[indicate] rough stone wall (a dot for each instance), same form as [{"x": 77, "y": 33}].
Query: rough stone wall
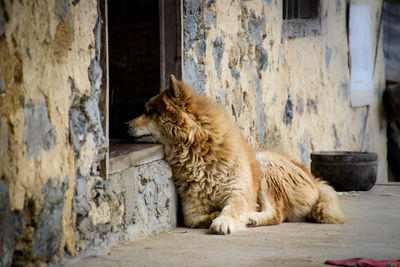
[
  {"x": 130, "y": 204},
  {"x": 50, "y": 125},
  {"x": 287, "y": 94}
]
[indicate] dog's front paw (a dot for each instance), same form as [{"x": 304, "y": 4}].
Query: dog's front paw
[
  {"x": 222, "y": 226},
  {"x": 252, "y": 220}
]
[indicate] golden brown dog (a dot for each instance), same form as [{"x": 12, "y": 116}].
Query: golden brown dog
[{"x": 224, "y": 184}]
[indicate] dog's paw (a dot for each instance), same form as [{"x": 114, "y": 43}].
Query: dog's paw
[
  {"x": 222, "y": 226},
  {"x": 252, "y": 220}
]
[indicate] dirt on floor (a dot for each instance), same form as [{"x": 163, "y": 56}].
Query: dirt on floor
[{"x": 373, "y": 232}]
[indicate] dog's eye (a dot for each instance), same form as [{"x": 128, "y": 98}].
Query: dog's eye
[{"x": 151, "y": 111}]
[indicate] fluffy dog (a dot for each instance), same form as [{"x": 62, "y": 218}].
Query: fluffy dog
[{"x": 225, "y": 184}]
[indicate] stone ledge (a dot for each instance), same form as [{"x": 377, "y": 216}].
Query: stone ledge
[{"x": 126, "y": 155}]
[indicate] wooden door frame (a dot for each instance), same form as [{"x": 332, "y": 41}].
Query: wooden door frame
[
  {"x": 104, "y": 95},
  {"x": 171, "y": 39}
]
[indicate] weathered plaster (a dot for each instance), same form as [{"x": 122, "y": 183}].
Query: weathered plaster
[
  {"x": 45, "y": 47},
  {"x": 290, "y": 94}
]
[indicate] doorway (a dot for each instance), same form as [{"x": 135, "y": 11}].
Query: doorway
[
  {"x": 144, "y": 48},
  {"x": 143, "y": 45}
]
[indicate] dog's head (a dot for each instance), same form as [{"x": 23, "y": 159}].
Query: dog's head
[{"x": 166, "y": 115}]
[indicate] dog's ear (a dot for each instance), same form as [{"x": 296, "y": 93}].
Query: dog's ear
[{"x": 174, "y": 87}]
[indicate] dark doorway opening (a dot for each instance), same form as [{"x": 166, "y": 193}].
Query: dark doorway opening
[
  {"x": 134, "y": 60},
  {"x": 144, "y": 46}
]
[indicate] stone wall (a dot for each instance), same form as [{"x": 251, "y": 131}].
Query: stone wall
[
  {"x": 50, "y": 124},
  {"x": 130, "y": 204},
  {"x": 291, "y": 94},
  {"x": 53, "y": 201}
]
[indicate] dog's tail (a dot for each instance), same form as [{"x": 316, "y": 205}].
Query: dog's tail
[{"x": 327, "y": 209}]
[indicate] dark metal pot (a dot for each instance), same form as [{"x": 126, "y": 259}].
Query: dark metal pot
[{"x": 345, "y": 170}]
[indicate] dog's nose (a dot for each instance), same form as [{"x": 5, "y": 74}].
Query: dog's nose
[{"x": 131, "y": 131}]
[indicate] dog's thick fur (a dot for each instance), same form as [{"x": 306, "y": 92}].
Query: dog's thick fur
[{"x": 224, "y": 184}]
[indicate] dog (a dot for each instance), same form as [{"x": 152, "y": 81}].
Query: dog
[{"x": 224, "y": 184}]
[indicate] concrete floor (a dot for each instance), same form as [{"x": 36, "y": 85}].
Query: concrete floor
[{"x": 373, "y": 232}]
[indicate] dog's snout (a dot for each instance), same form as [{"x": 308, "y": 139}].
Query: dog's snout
[{"x": 138, "y": 126}]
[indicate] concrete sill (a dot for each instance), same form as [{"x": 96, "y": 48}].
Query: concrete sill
[{"x": 124, "y": 155}]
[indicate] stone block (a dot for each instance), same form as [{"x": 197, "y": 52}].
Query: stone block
[
  {"x": 48, "y": 233},
  {"x": 101, "y": 214},
  {"x": 132, "y": 203},
  {"x": 2, "y": 84},
  {"x": 149, "y": 197},
  {"x": 10, "y": 226},
  {"x": 194, "y": 75},
  {"x": 39, "y": 134},
  {"x": 218, "y": 52}
]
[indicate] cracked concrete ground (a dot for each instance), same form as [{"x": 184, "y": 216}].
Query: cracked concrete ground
[{"x": 373, "y": 232}]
